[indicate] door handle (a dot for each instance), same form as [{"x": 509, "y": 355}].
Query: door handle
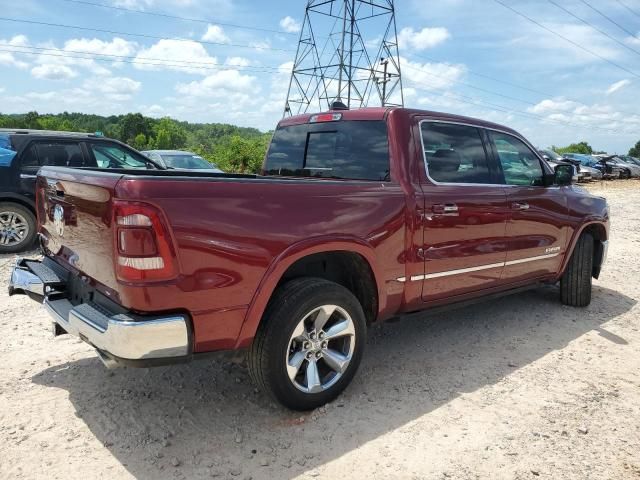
[
  {"x": 519, "y": 206},
  {"x": 445, "y": 209}
]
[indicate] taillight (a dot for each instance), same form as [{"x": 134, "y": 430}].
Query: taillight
[{"x": 143, "y": 246}]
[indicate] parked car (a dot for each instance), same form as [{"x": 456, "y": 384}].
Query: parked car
[
  {"x": 585, "y": 174},
  {"x": 589, "y": 165},
  {"x": 180, "y": 160},
  {"x": 609, "y": 170},
  {"x": 631, "y": 160},
  {"x": 24, "y": 152},
  {"x": 350, "y": 224},
  {"x": 631, "y": 169}
]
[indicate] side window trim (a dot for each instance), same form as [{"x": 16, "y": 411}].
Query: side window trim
[{"x": 487, "y": 150}]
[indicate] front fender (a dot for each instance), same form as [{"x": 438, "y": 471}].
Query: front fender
[{"x": 292, "y": 254}]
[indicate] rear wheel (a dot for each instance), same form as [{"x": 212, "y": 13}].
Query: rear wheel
[
  {"x": 17, "y": 227},
  {"x": 309, "y": 344},
  {"x": 576, "y": 283}
]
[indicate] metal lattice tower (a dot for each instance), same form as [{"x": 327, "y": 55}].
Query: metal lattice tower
[{"x": 348, "y": 52}]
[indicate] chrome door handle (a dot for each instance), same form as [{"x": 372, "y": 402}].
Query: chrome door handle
[
  {"x": 520, "y": 206},
  {"x": 27, "y": 176}
]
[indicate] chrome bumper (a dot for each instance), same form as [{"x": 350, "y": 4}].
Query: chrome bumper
[
  {"x": 605, "y": 252},
  {"x": 121, "y": 339}
]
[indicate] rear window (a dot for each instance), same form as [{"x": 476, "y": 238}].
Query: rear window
[{"x": 354, "y": 150}]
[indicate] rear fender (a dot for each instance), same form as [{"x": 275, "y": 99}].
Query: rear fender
[{"x": 282, "y": 263}]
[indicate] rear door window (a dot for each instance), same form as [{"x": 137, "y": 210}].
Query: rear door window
[
  {"x": 357, "y": 150},
  {"x": 56, "y": 154},
  {"x": 455, "y": 154}
]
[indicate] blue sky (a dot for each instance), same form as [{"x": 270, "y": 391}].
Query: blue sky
[{"x": 471, "y": 57}]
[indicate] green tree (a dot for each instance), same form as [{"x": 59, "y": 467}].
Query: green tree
[
  {"x": 635, "y": 151},
  {"x": 170, "y": 135},
  {"x": 242, "y": 155},
  {"x": 140, "y": 142},
  {"x": 582, "y": 147}
]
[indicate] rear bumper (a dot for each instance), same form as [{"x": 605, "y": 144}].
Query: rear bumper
[{"x": 120, "y": 338}]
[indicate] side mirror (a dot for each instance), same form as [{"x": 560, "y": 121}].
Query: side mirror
[
  {"x": 566, "y": 174},
  {"x": 546, "y": 157}
]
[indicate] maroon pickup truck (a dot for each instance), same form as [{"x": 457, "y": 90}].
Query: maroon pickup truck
[{"x": 358, "y": 216}]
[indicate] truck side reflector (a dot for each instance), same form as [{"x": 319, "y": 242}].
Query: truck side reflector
[{"x": 325, "y": 117}]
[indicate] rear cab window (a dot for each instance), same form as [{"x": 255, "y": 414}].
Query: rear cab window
[{"x": 349, "y": 150}]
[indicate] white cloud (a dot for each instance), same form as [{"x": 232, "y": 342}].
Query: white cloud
[
  {"x": 113, "y": 88},
  {"x": 431, "y": 75},
  {"x": 289, "y": 24},
  {"x": 618, "y": 86},
  {"x": 423, "y": 39},
  {"x": 53, "y": 72},
  {"x": 9, "y": 58},
  {"x": 633, "y": 40},
  {"x": 219, "y": 84},
  {"x": 193, "y": 57},
  {"x": 552, "y": 106},
  {"x": 135, "y": 4},
  {"x": 237, "y": 62},
  {"x": 215, "y": 34}
]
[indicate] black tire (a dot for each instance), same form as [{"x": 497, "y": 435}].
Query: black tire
[
  {"x": 29, "y": 221},
  {"x": 576, "y": 282},
  {"x": 268, "y": 353}
]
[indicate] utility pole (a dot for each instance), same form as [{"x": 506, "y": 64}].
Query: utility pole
[{"x": 334, "y": 62}]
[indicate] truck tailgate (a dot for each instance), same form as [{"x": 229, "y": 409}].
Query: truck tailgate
[{"x": 75, "y": 217}]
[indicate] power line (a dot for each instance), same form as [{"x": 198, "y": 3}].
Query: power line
[
  {"x": 491, "y": 92},
  {"x": 595, "y": 28},
  {"x": 141, "y": 35},
  {"x": 474, "y": 101},
  {"x": 591, "y": 52},
  {"x": 633, "y": 35},
  {"x": 176, "y": 17},
  {"x": 520, "y": 112},
  {"x": 136, "y": 60},
  {"x": 628, "y": 8}
]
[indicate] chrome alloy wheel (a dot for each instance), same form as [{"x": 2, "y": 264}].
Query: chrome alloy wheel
[
  {"x": 13, "y": 229},
  {"x": 320, "y": 349}
]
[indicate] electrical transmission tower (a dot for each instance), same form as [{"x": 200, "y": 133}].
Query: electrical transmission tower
[{"x": 348, "y": 52}]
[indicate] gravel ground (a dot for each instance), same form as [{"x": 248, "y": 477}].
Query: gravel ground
[{"x": 516, "y": 388}]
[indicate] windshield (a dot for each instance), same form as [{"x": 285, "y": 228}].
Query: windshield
[
  {"x": 552, "y": 155},
  {"x": 356, "y": 150},
  {"x": 187, "y": 161}
]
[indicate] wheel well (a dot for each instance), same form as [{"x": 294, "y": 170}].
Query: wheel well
[
  {"x": 348, "y": 269},
  {"x": 599, "y": 235},
  {"x": 19, "y": 201}
]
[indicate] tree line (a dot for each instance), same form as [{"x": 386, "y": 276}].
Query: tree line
[
  {"x": 232, "y": 148},
  {"x": 585, "y": 148}
]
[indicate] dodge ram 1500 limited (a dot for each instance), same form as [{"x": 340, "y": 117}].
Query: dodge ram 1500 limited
[{"x": 358, "y": 216}]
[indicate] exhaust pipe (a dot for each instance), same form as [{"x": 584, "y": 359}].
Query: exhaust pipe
[{"x": 107, "y": 361}]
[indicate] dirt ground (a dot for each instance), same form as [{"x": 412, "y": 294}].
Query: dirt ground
[{"x": 516, "y": 388}]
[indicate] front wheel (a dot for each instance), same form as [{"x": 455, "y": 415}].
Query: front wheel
[
  {"x": 576, "y": 282},
  {"x": 309, "y": 344}
]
